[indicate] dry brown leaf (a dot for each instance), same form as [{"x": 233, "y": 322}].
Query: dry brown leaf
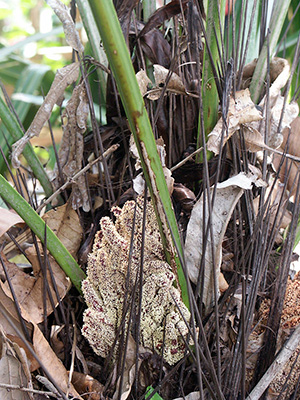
[
  {"x": 63, "y": 78},
  {"x": 161, "y": 74},
  {"x": 71, "y": 34},
  {"x": 8, "y": 218},
  {"x": 253, "y": 139},
  {"x": 10, "y": 308},
  {"x": 241, "y": 110},
  {"x": 29, "y": 289},
  {"x": 64, "y": 222},
  {"x": 11, "y": 372},
  {"x": 51, "y": 362},
  {"x": 84, "y": 383}
]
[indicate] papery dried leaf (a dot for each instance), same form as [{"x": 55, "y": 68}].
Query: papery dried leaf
[
  {"x": 8, "y": 304},
  {"x": 63, "y": 78},
  {"x": 280, "y": 72},
  {"x": 71, "y": 149},
  {"x": 163, "y": 13},
  {"x": 288, "y": 171},
  {"x": 143, "y": 81},
  {"x": 241, "y": 110},
  {"x": 291, "y": 112},
  {"x": 8, "y": 219},
  {"x": 65, "y": 224},
  {"x": 161, "y": 74},
  {"x": 71, "y": 34},
  {"x": 225, "y": 201},
  {"x": 53, "y": 365},
  {"x": 248, "y": 72},
  {"x": 253, "y": 139}
]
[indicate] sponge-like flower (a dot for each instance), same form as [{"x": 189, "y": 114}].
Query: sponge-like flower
[{"x": 113, "y": 269}]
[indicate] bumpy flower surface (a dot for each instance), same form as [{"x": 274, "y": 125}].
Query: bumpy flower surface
[{"x": 113, "y": 269}]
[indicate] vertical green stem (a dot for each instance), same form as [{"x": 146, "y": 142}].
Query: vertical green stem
[
  {"x": 209, "y": 88},
  {"x": 121, "y": 66}
]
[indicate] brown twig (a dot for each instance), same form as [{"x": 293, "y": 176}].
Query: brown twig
[{"x": 77, "y": 175}]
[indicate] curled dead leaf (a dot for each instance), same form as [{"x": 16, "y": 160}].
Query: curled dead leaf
[
  {"x": 12, "y": 371},
  {"x": 84, "y": 383},
  {"x": 227, "y": 195},
  {"x": 143, "y": 81},
  {"x": 71, "y": 34},
  {"x": 290, "y": 169},
  {"x": 8, "y": 218},
  {"x": 63, "y": 78},
  {"x": 241, "y": 110},
  {"x": 162, "y": 76}
]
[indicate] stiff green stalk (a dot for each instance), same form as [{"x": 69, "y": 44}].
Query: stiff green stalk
[
  {"x": 11, "y": 124},
  {"x": 91, "y": 29},
  {"x": 37, "y": 225},
  {"x": 209, "y": 89},
  {"x": 277, "y": 19},
  {"x": 121, "y": 66}
]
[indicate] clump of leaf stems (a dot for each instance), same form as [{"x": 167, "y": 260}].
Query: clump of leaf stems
[{"x": 208, "y": 50}]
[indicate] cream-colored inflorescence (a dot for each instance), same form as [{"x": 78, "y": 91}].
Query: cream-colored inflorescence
[{"x": 111, "y": 276}]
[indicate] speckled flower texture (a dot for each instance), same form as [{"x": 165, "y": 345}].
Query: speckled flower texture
[{"x": 111, "y": 277}]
